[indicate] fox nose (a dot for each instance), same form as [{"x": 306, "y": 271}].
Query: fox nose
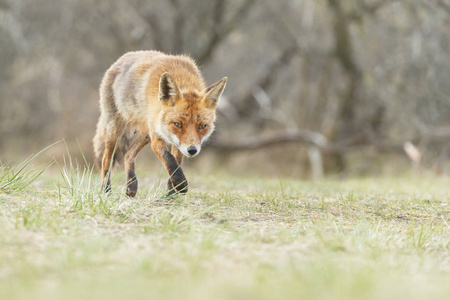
[{"x": 192, "y": 150}]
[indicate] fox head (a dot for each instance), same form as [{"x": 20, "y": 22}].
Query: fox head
[{"x": 187, "y": 117}]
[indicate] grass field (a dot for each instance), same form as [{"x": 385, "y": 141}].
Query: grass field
[{"x": 228, "y": 238}]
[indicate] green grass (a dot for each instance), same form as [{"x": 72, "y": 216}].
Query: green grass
[
  {"x": 14, "y": 179},
  {"x": 228, "y": 238}
]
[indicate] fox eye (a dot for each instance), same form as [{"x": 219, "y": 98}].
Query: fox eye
[
  {"x": 177, "y": 124},
  {"x": 202, "y": 126}
]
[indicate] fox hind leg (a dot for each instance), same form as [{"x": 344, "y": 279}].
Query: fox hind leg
[
  {"x": 129, "y": 161},
  {"x": 107, "y": 164},
  {"x": 112, "y": 150}
]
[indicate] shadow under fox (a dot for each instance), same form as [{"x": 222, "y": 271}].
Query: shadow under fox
[{"x": 151, "y": 97}]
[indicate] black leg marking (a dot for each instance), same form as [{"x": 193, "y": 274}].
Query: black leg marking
[
  {"x": 170, "y": 189},
  {"x": 177, "y": 179},
  {"x": 132, "y": 183},
  {"x": 107, "y": 184}
]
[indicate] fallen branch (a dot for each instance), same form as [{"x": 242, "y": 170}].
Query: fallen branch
[{"x": 303, "y": 137}]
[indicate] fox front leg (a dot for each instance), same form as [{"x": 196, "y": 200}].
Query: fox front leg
[
  {"x": 179, "y": 158},
  {"x": 177, "y": 181}
]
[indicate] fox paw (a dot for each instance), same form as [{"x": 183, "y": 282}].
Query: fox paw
[
  {"x": 132, "y": 188},
  {"x": 106, "y": 188},
  {"x": 130, "y": 192},
  {"x": 177, "y": 187}
]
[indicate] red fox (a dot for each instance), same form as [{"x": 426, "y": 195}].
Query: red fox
[{"x": 151, "y": 97}]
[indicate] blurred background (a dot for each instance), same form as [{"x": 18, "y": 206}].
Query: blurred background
[{"x": 316, "y": 87}]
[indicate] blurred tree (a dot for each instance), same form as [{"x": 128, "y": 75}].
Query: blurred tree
[{"x": 334, "y": 76}]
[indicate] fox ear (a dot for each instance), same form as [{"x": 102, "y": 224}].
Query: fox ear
[
  {"x": 213, "y": 93},
  {"x": 168, "y": 89}
]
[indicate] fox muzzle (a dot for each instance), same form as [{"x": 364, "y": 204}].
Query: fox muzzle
[{"x": 190, "y": 151}]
